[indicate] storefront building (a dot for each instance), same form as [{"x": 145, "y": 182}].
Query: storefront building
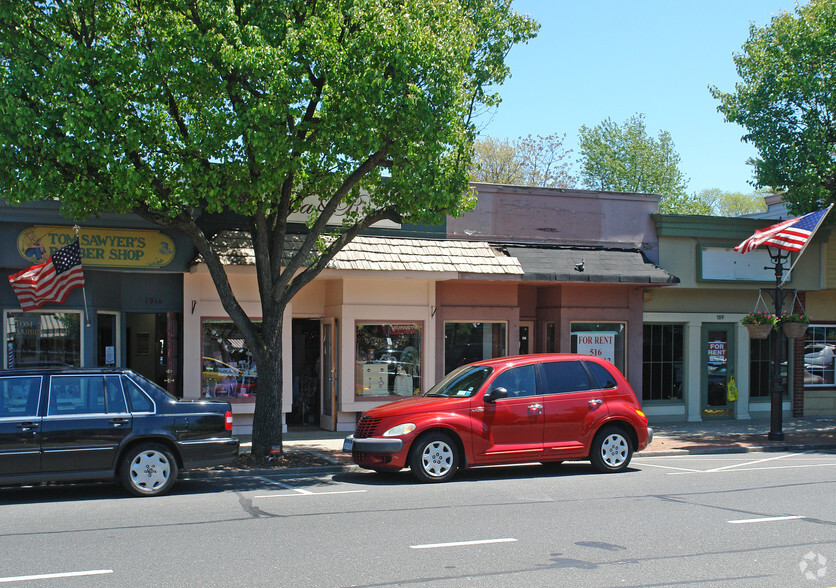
[
  {"x": 527, "y": 271},
  {"x": 130, "y": 311},
  {"x": 695, "y": 348}
]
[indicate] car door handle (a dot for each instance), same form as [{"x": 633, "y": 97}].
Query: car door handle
[
  {"x": 27, "y": 427},
  {"x": 538, "y": 408},
  {"x": 119, "y": 422},
  {"x": 595, "y": 403}
]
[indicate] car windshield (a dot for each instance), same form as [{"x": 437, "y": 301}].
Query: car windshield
[{"x": 461, "y": 382}]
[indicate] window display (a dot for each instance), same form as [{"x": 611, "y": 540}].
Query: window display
[
  {"x": 229, "y": 370},
  {"x": 388, "y": 359},
  {"x": 43, "y": 339}
]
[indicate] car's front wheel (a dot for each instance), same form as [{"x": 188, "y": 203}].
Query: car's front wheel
[
  {"x": 611, "y": 450},
  {"x": 148, "y": 470},
  {"x": 435, "y": 458}
]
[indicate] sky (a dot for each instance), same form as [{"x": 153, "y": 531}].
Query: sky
[{"x": 598, "y": 59}]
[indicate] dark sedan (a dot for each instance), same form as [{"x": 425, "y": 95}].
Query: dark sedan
[{"x": 105, "y": 424}]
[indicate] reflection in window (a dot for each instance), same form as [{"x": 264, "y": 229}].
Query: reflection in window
[
  {"x": 228, "y": 367},
  {"x": 662, "y": 362},
  {"x": 388, "y": 359},
  {"x": 468, "y": 342},
  {"x": 38, "y": 339},
  {"x": 819, "y": 354}
]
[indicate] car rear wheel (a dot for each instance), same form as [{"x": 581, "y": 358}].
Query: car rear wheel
[
  {"x": 435, "y": 458},
  {"x": 611, "y": 450},
  {"x": 148, "y": 470}
]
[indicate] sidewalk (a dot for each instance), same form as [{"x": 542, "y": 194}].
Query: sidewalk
[{"x": 722, "y": 436}]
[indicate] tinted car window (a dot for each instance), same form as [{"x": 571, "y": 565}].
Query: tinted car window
[
  {"x": 601, "y": 376},
  {"x": 519, "y": 381},
  {"x": 137, "y": 399},
  {"x": 565, "y": 376},
  {"x": 76, "y": 395},
  {"x": 19, "y": 396},
  {"x": 461, "y": 382},
  {"x": 115, "y": 396}
]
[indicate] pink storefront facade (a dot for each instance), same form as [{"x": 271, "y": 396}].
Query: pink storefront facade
[{"x": 527, "y": 271}]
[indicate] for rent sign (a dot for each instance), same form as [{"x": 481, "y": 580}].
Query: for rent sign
[{"x": 598, "y": 343}]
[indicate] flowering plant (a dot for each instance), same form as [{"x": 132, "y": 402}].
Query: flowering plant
[
  {"x": 760, "y": 318},
  {"x": 790, "y": 317}
]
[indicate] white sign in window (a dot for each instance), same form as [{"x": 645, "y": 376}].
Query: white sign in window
[{"x": 597, "y": 343}]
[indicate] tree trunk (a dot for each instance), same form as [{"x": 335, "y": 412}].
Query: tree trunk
[{"x": 267, "y": 420}]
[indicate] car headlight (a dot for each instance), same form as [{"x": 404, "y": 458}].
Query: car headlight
[{"x": 400, "y": 430}]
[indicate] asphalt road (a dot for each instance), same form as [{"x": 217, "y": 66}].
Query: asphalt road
[{"x": 756, "y": 519}]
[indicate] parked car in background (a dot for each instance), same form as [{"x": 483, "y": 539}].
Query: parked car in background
[
  {"x": 530, "y": 408},
  {"x": 105, "y": 424}
]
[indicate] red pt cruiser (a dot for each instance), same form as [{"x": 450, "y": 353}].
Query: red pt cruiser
[{"x": 529, "y": 408}]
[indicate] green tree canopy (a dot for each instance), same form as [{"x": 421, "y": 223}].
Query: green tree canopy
[
  {"x": 177, "y": 109},
  {"x": 624, "y": 158},
  {"x": 732, "y": 203},
  {"x": 786, "y": 101},
  {"x": 526, "y": 161}
]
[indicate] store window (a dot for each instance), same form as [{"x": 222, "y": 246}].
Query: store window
[
  {"x": 468, "y": 342},
  {"x": 228, "y": 368},
  {"x": 604, "y": 340},
  {"x": 819, "y": 353},
  {"x": 38, "y": 339},
  {"x": 662, "y": 362},
  {"x": 388, "y": 359}
]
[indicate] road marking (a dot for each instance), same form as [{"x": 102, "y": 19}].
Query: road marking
[
  {"x": 462, "y": 543},
  {"x": 52, "y": 576},
  {"x": 301, "y": 492},
  {"x": 766, "y": 520},
  {"x": 755, "y": 462},
  {"x": 786, "y": 467},
  {"x": 653, "y": 465},
  {"x": 310, "y": 494}
]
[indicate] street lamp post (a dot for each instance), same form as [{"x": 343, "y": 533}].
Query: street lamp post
[{"x": 776, "y": 432}]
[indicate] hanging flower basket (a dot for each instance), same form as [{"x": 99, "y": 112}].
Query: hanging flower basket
[
  {"x": 794, "y": 330},
  {"x": 759, "y": 331}
]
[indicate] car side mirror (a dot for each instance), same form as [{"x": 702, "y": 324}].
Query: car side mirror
[{"x": 496, "y": 394}]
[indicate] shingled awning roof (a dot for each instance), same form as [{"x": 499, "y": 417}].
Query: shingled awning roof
[
  {"x": 389, "y": 254},
  {"x": 562, "y": 264}
]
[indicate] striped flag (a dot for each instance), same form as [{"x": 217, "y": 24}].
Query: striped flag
[
  {"x": 50, "y": 281},
  {"x": 792, "y": 234}
]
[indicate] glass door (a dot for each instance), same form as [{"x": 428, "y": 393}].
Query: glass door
[
  {"x": 526, "y": 337},
  {"x": 328, "y": 418},
  {"x": 717, "y": 369}
]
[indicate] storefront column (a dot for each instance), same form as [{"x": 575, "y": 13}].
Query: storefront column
[
  {"x": 743, "y": 347},
  {"x": 694, "y": 371}
]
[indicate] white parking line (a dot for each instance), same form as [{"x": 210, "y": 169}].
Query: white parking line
[
  {"x": 461, "y": 543},
  {"x": 766, "y": 520},
  {"x": 301, "y": 492},
  {"x": 52, "y": 576},
  {"x": 755, "y": 462}
]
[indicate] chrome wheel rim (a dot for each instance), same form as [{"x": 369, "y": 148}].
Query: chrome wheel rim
[
  {"x": 150, "y": 470},
  {"x": 614, "y": 450},
  {"x": 437, "y": 459}
]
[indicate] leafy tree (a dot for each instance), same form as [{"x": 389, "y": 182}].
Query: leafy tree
[
  {"x": 624, "y": 158},
  {"x": 732, "y": 203},
  {"x": 183, "y": 110},
  {"x": 527, "y": 161},
  {"x": 786, "y": 101}
]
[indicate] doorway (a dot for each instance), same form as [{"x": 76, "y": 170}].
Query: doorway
[
  {"x": 526, "y": 337},
  {"x": 717, "y": 368},
  {"x": 153, "y": 348},
  {"x": 305, "y": 407}
]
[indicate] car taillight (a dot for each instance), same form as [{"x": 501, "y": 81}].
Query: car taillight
[{"x": 228, "y": 420}]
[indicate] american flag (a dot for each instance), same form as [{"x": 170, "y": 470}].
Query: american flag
[
  {"x": 50, "y": 281},
  {"x": 792, "y": 234}
]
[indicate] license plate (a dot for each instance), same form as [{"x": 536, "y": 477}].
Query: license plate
[{"x": 348, "y": 444}]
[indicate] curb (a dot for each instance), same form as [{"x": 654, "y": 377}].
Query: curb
[{"x": 338, "y": 469}]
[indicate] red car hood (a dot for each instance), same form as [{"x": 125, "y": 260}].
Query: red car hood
[{"x": 418, "y": 404}]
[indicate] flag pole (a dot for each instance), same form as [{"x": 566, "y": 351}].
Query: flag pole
[
  {"x": 83, "y": 290},
  {"x": 797, "y": 257}
]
